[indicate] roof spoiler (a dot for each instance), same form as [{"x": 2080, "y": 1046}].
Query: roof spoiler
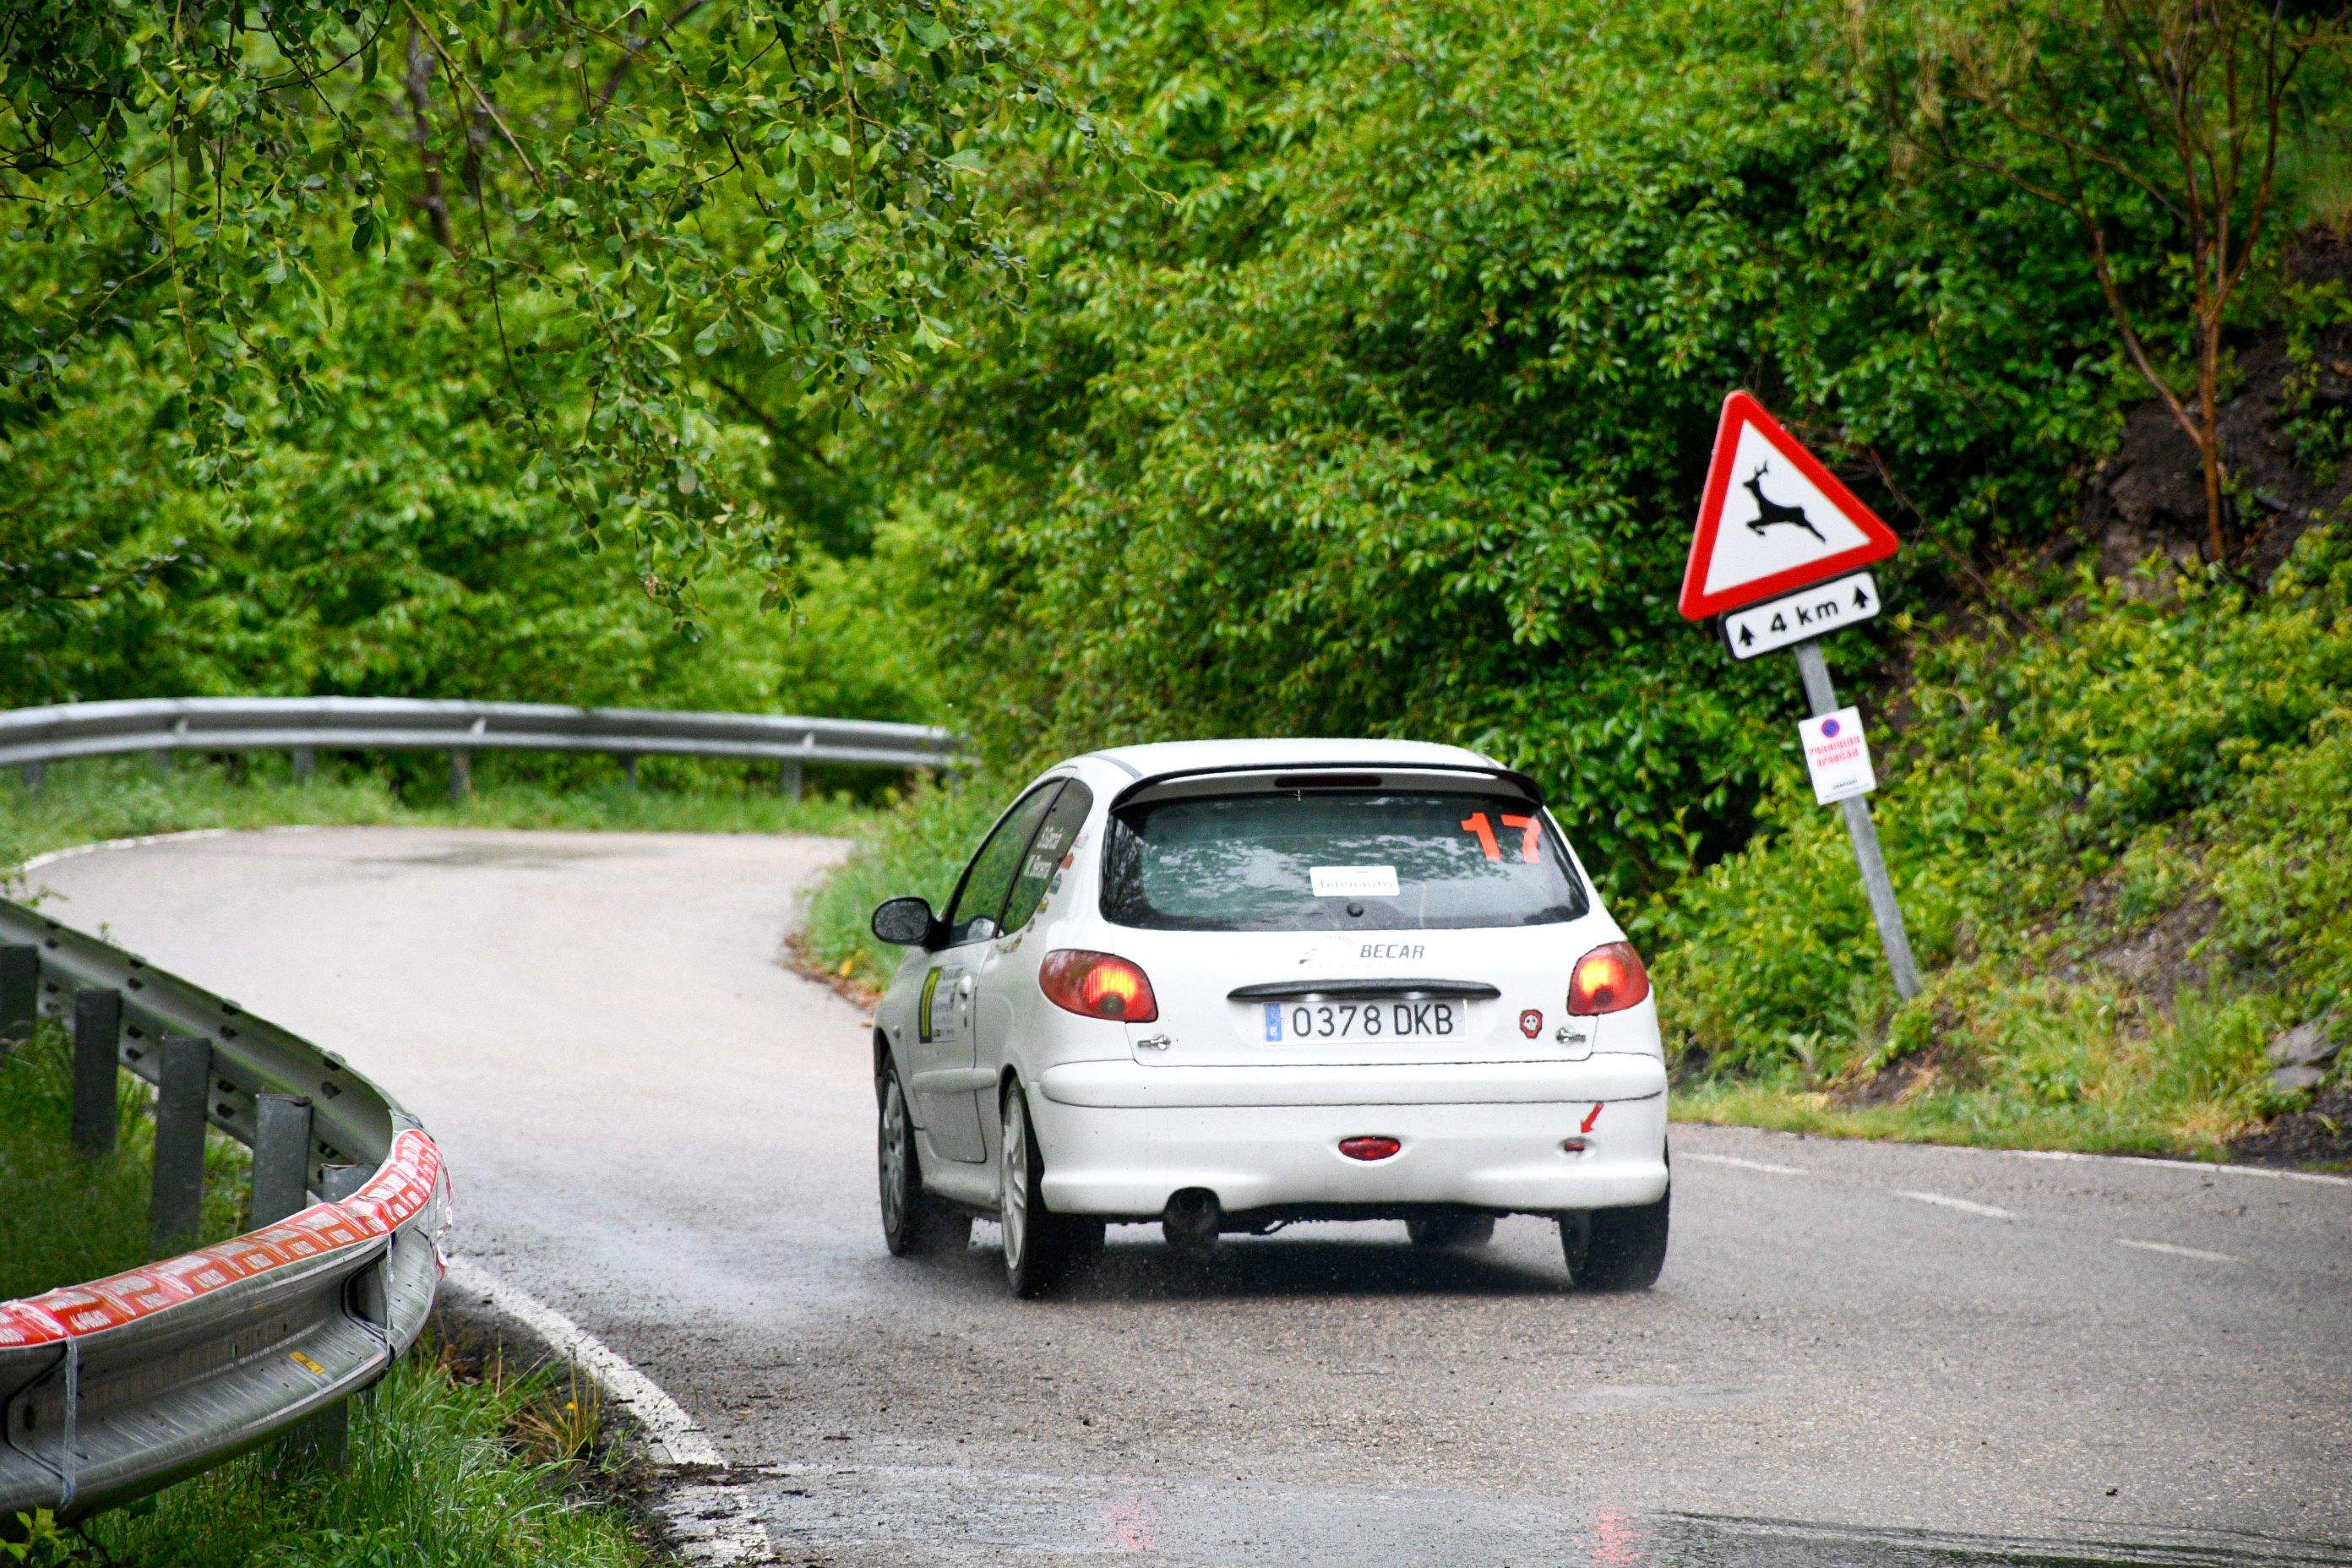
[{"x": 1511, "y": 777}]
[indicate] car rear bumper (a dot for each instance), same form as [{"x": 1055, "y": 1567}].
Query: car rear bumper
[{"x": 1120, "y": 1137}]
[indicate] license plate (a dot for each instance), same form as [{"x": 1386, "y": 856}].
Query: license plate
[{"x": 1372, "y": 1019}]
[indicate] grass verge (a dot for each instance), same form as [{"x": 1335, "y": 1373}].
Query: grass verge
[
  {"x": 64, "y": 1219},
  {"x": 454, "y": 1464}
]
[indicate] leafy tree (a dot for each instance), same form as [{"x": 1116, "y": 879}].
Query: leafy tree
[
  {"x": 641, "y": 225},
  {"x": 2120, "y": 114},
  {"x": 1380, "y": 401}
]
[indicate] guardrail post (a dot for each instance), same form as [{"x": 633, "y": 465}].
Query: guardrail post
[
  {"x": 34, "y": 773},
  {"x": 788, "y": 778},
  {"x": 96, "y": 1058},
  {"x": 305, "y": 763},
  {"x": 281, "y": 1157},
  {"x": 461, "y": 776},
  {"x": 20, "y": 993},
  {"x": 177, "y": 1213},
  {"x": 322, "y": 1441},
  {"x": 629, "y": 771},
  {"x": 281, "y": 1187}
]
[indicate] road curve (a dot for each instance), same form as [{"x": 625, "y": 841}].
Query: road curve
[{"x": 1859, "y": 1353}]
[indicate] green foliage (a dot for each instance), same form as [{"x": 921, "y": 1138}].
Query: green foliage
[
  {"x": 63, "y": 1219},
  {"x": 35, "y": 1539},
  {"x": 624, "y": 221},
  {"x": 2117, "y": 839},
  {"x": 919, "y": 847},
  {"x": 1387, "y": 417},
  {"x": 386, "y": 538}
]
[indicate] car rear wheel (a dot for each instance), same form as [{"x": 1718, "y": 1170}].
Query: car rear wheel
[
  {"x": 1616, "y": 1249},
  {"x": 914, "y": 1223},
  {"x": 1450, "y": 1231},
  {"x": 1040, "y": 1245}
]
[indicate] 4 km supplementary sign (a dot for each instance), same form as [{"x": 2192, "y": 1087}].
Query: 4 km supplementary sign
[
  {"x": 1807, "y": 613},
  {"x": 1771, "y": 519}
]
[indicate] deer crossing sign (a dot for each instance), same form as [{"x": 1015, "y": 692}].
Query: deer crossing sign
[
  {"x": 1778, "y": 555},
  {"x": 1772, "y": 519}
]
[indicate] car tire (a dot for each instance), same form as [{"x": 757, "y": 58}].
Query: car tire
[
  {"x": 1451, "y": 1232},
  {"x": 914, "y": 1223},
  {"x": 1617, "y": 1249},
  {"x": 1040, "y": 1245}
]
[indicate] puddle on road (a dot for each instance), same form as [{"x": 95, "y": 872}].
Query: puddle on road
[
  {"x": 894, "y": 1514},
  {"x": 1698, "y": 1541},
  {"x": 509, "y": 855}
]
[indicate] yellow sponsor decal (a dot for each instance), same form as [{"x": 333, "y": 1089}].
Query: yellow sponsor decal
[
  {"x": 923, "y": 1009},
  {"x": 305, "y": 1363}
]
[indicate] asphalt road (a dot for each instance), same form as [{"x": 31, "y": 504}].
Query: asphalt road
[{"x": 1859, "y": 1353}]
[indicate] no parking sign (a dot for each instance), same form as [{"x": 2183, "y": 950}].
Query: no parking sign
[{"x": 1837, "y": 755}]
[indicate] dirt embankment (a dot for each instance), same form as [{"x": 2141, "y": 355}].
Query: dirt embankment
[{"x": 2149, "y": 499}]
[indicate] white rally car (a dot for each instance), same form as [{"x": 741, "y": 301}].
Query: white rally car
[{"x": 1225, "y": 986}]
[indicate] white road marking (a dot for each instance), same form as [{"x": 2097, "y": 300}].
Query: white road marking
[
  {"x": 2202, "y": 1167},
  {"x": 2194, "y": 1167},
  {"x": 679, "y": 1436},
  {"x": 1963, "y": 1205},
  {"x": 1746, "y": 1165},
  {"x": 2167, "y": 1247},
  {"x": 73, "y": 852},
  {"x": 673, "y": 1434}
]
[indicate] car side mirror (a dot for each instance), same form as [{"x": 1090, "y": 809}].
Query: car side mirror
[{"x": 904, "y": 922}]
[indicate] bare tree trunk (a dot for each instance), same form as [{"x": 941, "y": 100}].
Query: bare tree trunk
[
  {"x": 2209, "y": 438},
  {"x": 418, "y": 81}
]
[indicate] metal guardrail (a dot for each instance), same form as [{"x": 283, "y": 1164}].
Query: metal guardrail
[
  {"x": 115, "y": 1388},
  {"x": 307, "y": 725}
]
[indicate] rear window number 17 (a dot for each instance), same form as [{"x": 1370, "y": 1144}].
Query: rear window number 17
[{"x": 1530, "y": 831}]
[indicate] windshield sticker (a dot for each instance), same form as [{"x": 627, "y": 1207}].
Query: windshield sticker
[{"x": 1354, "y": 882}]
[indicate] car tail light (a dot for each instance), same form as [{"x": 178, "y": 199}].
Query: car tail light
[
  {"x": 1098, "y": 985},
  {"x": 1369, "y": 1148},
  {"x": 1609, "y": 979}
]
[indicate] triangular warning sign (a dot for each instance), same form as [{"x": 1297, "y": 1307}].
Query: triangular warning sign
[{"x": 1772, "y": 519}]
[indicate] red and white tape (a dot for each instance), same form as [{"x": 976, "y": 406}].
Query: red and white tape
[{"x": 396, "y": 1193}]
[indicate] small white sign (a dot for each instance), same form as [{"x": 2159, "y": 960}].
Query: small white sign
[
  {"x": 1354, "y": 882},
  {"x": 1837, "y": 755},
  {"x": 1799, "y": 616}
]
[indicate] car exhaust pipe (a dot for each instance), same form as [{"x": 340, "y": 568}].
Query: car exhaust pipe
[{"x": 1193, "y": 1219}]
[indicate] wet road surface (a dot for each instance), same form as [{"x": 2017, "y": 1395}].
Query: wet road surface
[{"x": 1858, "y": 1354}]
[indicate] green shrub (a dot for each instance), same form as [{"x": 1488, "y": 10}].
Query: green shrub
[
  {"x": 1392, "y": 419},
  {"x": 919, "y": 847},
  {"x": 2119, "y": 841}
]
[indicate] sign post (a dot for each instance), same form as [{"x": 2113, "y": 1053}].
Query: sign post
[{"x": 1779, "y": 560}]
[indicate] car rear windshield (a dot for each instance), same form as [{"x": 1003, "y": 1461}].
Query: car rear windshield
[{"x": 1335, "y": 860}]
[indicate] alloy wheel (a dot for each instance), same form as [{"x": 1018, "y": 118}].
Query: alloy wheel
[
  {"x": 1013, "y": 1208},
  {"x": 892, "y": 1155}
]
